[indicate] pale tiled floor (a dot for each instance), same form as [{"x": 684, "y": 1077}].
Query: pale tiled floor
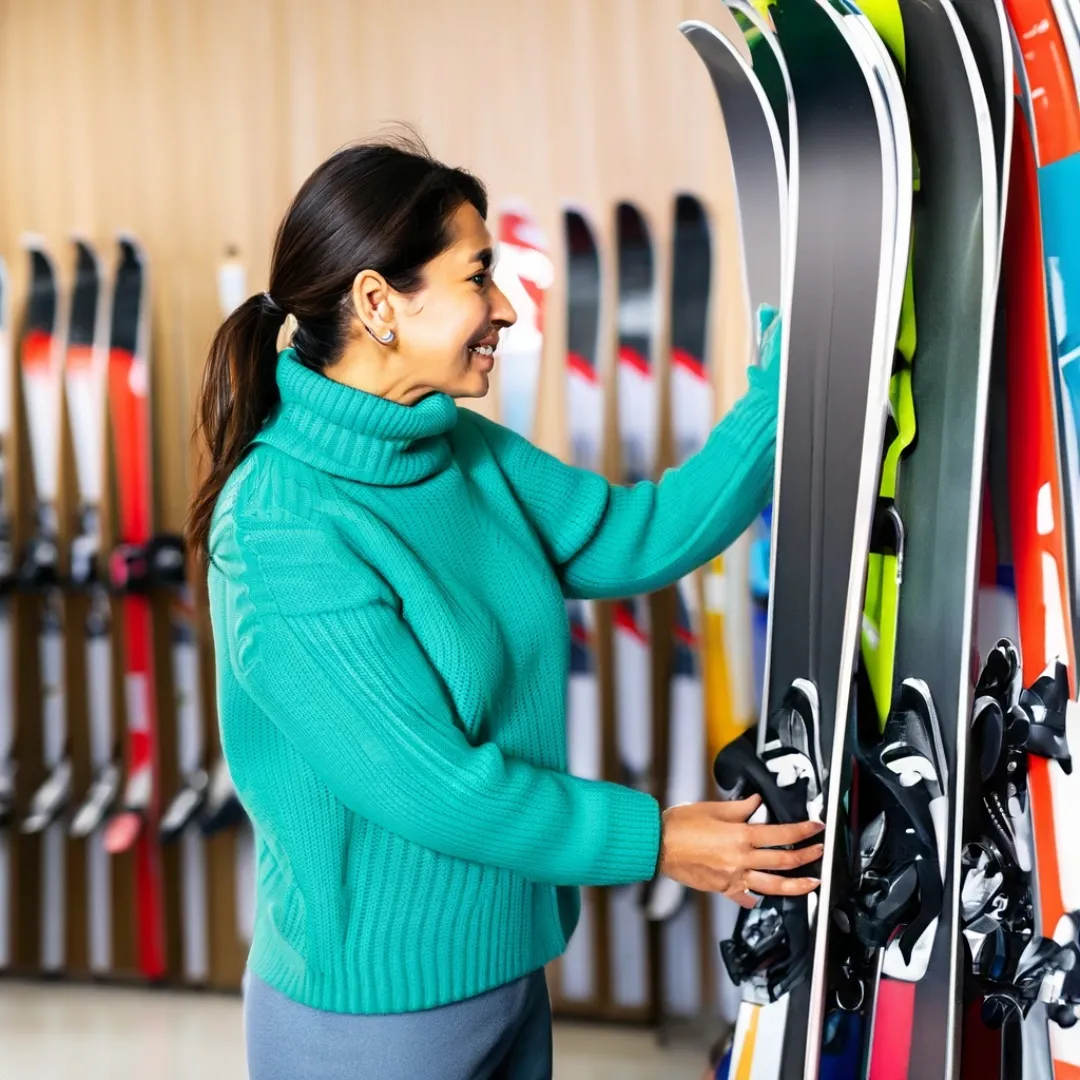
[{"x": 57, "y": 1032}]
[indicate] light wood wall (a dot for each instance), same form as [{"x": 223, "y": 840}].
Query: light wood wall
[{"x": 192, "y": 122}]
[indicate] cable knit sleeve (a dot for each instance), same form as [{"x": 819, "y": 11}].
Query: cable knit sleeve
[
  {"x": 317, "y": 640},
  {"x": 608, "y": 541}
]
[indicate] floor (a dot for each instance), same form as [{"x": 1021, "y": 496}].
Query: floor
[{"x": 57, "y": 1032}]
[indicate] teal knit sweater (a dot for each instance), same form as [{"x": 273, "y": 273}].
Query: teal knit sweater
[{"x": 387, "y": 590}]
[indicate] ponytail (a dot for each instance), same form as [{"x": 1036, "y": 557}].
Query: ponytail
[{"x": 239, "y": 390}]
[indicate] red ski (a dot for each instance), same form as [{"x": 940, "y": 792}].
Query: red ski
[{"x": 134, "y": 826}]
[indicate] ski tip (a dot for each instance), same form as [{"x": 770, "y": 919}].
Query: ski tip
[
  {"x": 688, "y": 26},
  {"x": 34, "y": 242},
  {"x": 129, "y": 245},
  {"x": 84, "y": 245}
]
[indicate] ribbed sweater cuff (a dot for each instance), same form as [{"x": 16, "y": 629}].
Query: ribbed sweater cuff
[{"x": 633, "y": 847}]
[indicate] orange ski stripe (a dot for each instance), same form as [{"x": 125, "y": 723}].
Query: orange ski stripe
[{"x": 1053, "y": 91}]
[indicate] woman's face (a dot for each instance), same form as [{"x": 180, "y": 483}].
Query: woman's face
[{"x": 448, "y": 331}]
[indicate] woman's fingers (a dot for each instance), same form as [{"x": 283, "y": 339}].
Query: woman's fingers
[
  {"x": 784, "y": 859},
  {"x": 765, "y": 836},
  {"x": 743, "y": 898},
  {"x": 736, "y": 809},
  {"x": 775, "y": 885}
]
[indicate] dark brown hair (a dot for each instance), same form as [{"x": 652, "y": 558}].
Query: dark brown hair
[{"x": 382, "y": 206}]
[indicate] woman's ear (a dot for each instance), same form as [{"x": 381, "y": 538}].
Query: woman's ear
[{"x": 372, "y": 302}]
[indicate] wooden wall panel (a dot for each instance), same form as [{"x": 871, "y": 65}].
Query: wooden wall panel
[{"x": 193, "y": 123}]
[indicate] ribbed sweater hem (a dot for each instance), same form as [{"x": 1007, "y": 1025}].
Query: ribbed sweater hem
[{"x": 428, "y": 986}]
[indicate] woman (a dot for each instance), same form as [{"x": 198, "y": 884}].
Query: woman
[{"x": 387, "y": 580}]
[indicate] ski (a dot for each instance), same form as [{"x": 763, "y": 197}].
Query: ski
[
  {"x": 579, "y": 974},
  {"x": 1049, "y": 55},
  {"x": 823, "y": 505},
  {"x": 764, "y": 166},
  {"x": 524, "y": 272},
  {"x": 133, "y": 825},
  {"x": 181, "y": 822},
  {"x": 41, "y": 361},
  {"x": 691, "y": 418},
  {"x": 638, "y": 422},
  {"x": 7, "y": 673},
  {"x": 905, "y": 871},
  {"x": 230, "y": 836},
  {"x": 1014, "y": 880},
  {"x": 85, "y": 378}
]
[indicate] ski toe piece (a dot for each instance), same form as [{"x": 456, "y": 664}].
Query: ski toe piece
[
  {"x": 98, "y": 804},
  {"x": 222, "y": 809},
  {"x": 49, "y": 801},
  {"x": 185, "y": 807}
]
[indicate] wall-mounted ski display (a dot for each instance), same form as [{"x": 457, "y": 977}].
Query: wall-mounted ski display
[
  {"x": 134, "y": 826},
  {"x": 86, "y": 379},
  {"x": 580, "y": 975},
  {"x": 41, "y": 360},
  {"x": 638, "y": 422}
]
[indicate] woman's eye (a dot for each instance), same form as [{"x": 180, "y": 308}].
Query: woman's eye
[{"x": 481, "y": 279}]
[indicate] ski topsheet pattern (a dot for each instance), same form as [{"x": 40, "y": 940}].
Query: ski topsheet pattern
[
  {"x": 638, "y": 423},
  {"x": 42, "y": 366},
  {"x": 579, "y": 967}
]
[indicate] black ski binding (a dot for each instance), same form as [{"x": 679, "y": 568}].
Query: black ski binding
[
  {"x": 1015, "y": 966},
  {"x": 7, "y": 793},
  {"x": 771, "y": 945},
  {"x": 185, "y": 807},
  {"x": 50, "y": 800},
  {"x": 222, "y": 808},
  {"x": 100, "y": 802},
  {"x": 898, "y": 889},
  {"x": 141, "y": 568},
  {"x": 86, "y": 549},
  {"x": 39, "y": 570}
]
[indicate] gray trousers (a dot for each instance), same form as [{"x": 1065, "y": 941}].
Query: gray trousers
[{"x": 504, "y": 1034}]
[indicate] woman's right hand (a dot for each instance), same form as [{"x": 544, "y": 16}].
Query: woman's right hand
[{"x": 710, "y": 847}]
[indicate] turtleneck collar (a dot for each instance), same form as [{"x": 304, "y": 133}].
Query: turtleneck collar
[{"x": 354, "y": 434}]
